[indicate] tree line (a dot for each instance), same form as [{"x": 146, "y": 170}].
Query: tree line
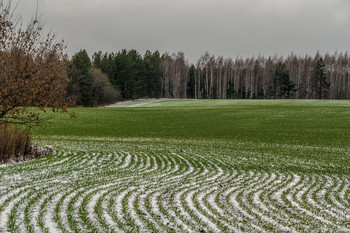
[{"x": 108, "y": 77}]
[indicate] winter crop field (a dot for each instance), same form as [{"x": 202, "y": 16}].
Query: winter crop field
[{"x": 186, "y": 166}]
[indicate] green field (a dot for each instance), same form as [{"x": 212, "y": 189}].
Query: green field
[{"x": 186, "y": 165}]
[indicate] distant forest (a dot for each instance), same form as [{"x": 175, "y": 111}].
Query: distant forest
[{"x": 109, "y": 77}]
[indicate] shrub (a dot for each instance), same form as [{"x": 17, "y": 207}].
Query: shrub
[
  {"x": 104, "y": 92},
  {"x": 15, "y": 144}
]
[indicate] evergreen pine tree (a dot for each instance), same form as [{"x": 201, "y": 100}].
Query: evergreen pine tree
[
  {"x": 321, "y": 82},
  {"x": 81, "y": 79},
  {"x": 97, "y": 59},
  {"x": 152, "y": 63},
  {"x": 283, "y": 87},
  {"x": 191, "y": 82}
]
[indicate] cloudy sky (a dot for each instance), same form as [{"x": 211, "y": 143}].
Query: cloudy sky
[{"x": 229, "y": 28}]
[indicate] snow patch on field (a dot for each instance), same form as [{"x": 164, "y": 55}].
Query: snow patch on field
[{"x": 164, "y": 191}]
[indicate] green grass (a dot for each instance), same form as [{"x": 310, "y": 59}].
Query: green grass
[
  {"x": 302, "y": 131},
  {"x": 110, "y": 163},
  {"x": 301, "y": 122}
]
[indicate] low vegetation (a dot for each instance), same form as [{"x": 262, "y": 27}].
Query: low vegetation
[
  {"x": 187, "y": 165},
  {"x": 15, "y": 144}
]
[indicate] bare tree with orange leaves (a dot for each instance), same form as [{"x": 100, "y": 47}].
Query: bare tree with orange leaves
[{"x": 33, "y": 74}]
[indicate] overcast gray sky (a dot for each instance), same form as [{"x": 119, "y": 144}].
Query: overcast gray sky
[{"x": 223, "y": 27}]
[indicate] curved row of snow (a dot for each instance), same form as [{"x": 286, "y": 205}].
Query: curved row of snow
[{"x": 162, "y": 192}]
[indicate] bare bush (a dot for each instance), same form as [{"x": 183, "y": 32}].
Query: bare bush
[{"x": 104, "y": 92}]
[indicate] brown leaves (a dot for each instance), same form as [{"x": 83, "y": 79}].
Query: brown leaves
[{"x": 32, "y": 71}]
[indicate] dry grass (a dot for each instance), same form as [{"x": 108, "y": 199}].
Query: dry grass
[{"x": 15, "y": 144}]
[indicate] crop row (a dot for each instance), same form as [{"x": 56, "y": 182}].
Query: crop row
[{"x": 161, "y": 191}]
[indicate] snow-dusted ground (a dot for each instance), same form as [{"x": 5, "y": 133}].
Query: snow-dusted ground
[
  {"x": 149, "y": 103},
  {"x": 164, "y": 191},
  {"x": 134, "y": 103}
]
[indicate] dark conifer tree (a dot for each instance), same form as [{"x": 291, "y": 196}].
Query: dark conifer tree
[
  {"x": 230, "y": 90},
  {"x": 320, "y": 80},
  {"x": 152, "y": 63},
  {"x": 108, "y": 67},
  {"x": 191, "y": 82},
  {"x": 97, "y": 59},
  {"x": 283, "y": 87},
  {"x": 81, "y": 79},
  {"x": 130, "y": 75},
  {"x": 122, "y": 70}
]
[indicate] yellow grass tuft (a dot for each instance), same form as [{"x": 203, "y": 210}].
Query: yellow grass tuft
[{"x": 15, "y": 143}]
